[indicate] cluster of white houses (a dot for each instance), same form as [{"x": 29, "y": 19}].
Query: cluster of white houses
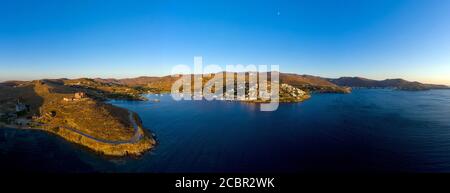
[
  {"x": 294, "y": 92},
  {"x": 248, "y": 93}
]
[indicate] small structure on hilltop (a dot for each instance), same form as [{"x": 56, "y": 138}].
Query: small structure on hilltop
[
  {"x": 77, "y": 96},
  {"x": 80, "y": 95}
]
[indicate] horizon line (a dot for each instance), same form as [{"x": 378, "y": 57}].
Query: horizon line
[{"x": 159, "y": 76}]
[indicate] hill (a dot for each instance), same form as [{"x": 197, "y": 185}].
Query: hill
[
  {"x": 312, "y": 83},
  {"x": 74, "y": 114},
  {"x": 388, "y": 83}
]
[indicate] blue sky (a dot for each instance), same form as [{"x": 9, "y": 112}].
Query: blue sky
[{"x": 86, "y": 38}]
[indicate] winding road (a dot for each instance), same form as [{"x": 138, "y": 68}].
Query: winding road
[{"x": 136, "y": 136}]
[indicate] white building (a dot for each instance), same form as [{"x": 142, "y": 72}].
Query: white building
[{"x": 20, "y": 107}]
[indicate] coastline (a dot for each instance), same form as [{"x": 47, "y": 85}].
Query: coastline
[{"x": 142, "y": 142}]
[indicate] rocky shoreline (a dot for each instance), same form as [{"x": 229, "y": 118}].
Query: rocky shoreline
[{"x": 116, "y": 149}]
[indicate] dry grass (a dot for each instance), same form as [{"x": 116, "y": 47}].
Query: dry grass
[{"x": 89, "y": 116}]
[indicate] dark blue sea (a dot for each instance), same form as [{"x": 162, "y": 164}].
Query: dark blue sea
[{"x": 375, "y": 130}]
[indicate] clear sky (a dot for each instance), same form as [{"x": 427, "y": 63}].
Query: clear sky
[{"x": 87, "y": 38}]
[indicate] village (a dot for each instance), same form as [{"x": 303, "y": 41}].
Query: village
[
  {"x": 294, "y": 92},
  {"x": 251, "y": 93}
]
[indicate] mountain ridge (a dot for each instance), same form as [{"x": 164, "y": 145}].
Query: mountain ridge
[
  {"x": 163, "y": 83},
  {"x": 397, "y": 83},
  {"x": 303, "y": 81}
]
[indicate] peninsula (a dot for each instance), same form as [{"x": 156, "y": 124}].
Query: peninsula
[{"x": 76, "y": 112}]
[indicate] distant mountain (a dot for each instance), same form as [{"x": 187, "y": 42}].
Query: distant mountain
[{"x": 388, "y": 83}]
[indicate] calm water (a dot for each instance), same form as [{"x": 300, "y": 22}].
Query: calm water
[{"x": 368, "y": 130}]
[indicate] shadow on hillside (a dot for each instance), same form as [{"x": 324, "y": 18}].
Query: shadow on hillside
[{"x": 12, "y": 95}]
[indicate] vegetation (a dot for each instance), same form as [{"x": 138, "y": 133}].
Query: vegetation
[{"x": 106, "y": 90}]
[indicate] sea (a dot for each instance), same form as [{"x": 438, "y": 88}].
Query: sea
[{"x": 369, "y": 130}]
